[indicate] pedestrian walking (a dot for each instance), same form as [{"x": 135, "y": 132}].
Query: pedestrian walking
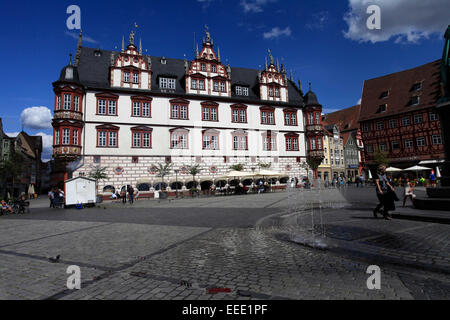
[
  {"x": 409, "y": 192},
  {"x": 361, "y": 180},
  {"x": 385, "y": 198},
  {"x": 131, "y": 194},
  {"x": 123, "y": 194},
  {"x": 433, "y": 179}
]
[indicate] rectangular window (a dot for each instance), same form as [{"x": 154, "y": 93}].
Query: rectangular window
[
  {"x": 271, "y": 118},
  {"x": 213, "y": 114},
  {"x": 392, "y": 123},
  {"x": 194, "y": 84},
  {"x": 264, "y": 117},
  {"x": 418, "y": 118},
  {"x": 270, "y": 92},
  {"x": 146, "y": 140},
  {"x": 383, "y": 147},
  {"x": 57, "y": 137},
  {"x": 112, "y": 107},
  {"x": 222, "y": 86},
  {"x": 417, "y": 86},
  {"x": 415, "y": 100},
  {"x": 170, "y": 83},
  {"x": 406, "y": 121},
  {"x": 183, "y": 112},
  {"x": 175, "y": 112},
  {"x": 179, "y": 141},
  {"x": 67, "y": 100},
  {"x": 380, "y": 126},
  {"x": 434, "y": 116},
  {"x": 136, "y": 140},
  {"x": 239, "y": 91},
  {"x": 146, "y": 109},
  {"x": 235, "y": 143},
  {"x": 366, "y": 128},
  {"x": 213, "y": 68},
  {"x": 102, "y": 138},
  {"x": 408, "y": 144},
  {"x": 135, "y": 78},
  {"x": 277, "y": 92},
  {"x": 113, "y": 139},
  {"x": 395, "y": 145},
  {"x": 76, "y": 103},
  {"x": 216, "y": 86},
  {"x": 437, "y": 139},
  {"x": 235, "y": 115},
  {"x": 136, "y": 109},
  {"x": 421, "y": 142},
  {"x": 58, "y": 102},
  {"x": 102, "y": 107},
  {"x": 205, "y": 114},
  {"x": 201, "y": 84},
  {"x": 245, "y": 91},
  {"x": 287, "y": 119},
  {"x": 126, "y": 77},
  {"x": 75, "y": 137},
  {"x": 203, "y": 67},
  {"x": 66, "y": 136}
]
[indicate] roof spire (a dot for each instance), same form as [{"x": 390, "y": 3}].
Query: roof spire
[
  {"x": 208, "y": 35},
  {"x": 218, "y": 54},
  {"x": 300, "y": 85},
  {"x": 123, "y": 43},
  {"x": 140, "y": 46},
  {"x": 278, "y": 65},
  {"x": 196, "y": 53},
  {"x": 271, "y": 57},
  {"x": 310, "y": 86},
  {"x": 70, "y": 62},
  {"x": 292, "y": 77},
  {"x": 266, "y": 63},
  {"x": 78, "y": 53}
]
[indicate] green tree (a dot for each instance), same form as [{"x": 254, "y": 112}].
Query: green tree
[
  {"x": 265, "y": 165},
  {"x": 194, "y": 170},
  {"x": 163, "y": 170},
  {"x": 381, "y": 158},
  {"x": 98, "y": 174},
  {"x": 12, "y": 169},
  {"x": 237, "y": 167}
]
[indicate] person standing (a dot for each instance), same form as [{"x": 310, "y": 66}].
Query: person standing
[
  {"x": 409, "y": 192},
  {"x": 123, "y": 194},
  {"x": 361, "y": 180},
  {"x": 131, "y": 194},
  {"x": 382, "y": 189},
  {"x": 433, "y": 179},
  {"x": 51, "y": 197}
]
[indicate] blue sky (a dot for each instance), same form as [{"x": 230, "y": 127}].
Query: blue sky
[{"x": 313, "y": 38}]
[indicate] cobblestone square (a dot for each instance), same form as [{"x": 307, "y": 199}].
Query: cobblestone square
[{"x": 185, "y": 249}]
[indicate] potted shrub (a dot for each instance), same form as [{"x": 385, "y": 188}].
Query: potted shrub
[
  {"x": 163, "y": 170},
  {"x": 98, "y": 173}
]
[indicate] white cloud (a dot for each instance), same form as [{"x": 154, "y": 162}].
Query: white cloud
[
  {"x": 12, "y": 134},
  {"x": 277, "y": 32},
  {"x": 47, "y": 146},
  {"x": 85, "y": 37},
  {"x": 255, "y": 6},
  {"x": 402, "y": 20},
  {"x": 36, "y": 118}
]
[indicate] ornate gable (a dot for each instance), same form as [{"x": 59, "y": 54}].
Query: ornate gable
[
  {"x": 131, "y": 69},
  {"x": 273, "y": 82},
  {"x": 207, "y": 75}
]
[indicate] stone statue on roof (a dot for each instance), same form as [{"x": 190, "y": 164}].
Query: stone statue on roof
[
  {"x": 208, "y": 35},
  {"x": 271, "y": 57},
  {"x": 132, "y": 34}
]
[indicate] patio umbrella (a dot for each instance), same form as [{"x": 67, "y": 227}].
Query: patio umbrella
[
  {"x": 30, "y": 189},
  {"x": 370, "y": 175},
  {"x": 393, "y": 169},
  {"x": 417, "y": 169},
  {"x": 438, "y": 172}
]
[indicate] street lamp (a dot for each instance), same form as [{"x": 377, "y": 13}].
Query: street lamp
[{"x": 176, "y": 182}]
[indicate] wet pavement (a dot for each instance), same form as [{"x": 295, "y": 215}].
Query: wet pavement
[{"x": 182, "y": 249}]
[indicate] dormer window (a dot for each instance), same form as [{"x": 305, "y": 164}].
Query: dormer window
[
  {"x": 382, "y": 108},
  {"x": 97, "y": 53},
  {"x": 384, "y": 95},
  {"x": 241, "y": 91},
  {"x": 415, "y": 100},
  {"x": 203, "y": 67},
  {"x": 417, "y": 86},
  {"x": 167, "y": 83},
  {"x": 163, "y": 60},
  {"x": 274, "y": 91},
  {"x": 213, "y": 68}
]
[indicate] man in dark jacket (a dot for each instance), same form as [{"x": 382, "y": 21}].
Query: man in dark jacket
[{"x": 131, "y": 194}]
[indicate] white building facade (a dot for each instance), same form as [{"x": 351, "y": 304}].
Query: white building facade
[{"x": 129, "y": 112}]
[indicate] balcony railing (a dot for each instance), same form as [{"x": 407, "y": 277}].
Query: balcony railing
[
  {"x": 68, "y": 114},
  {"x": 68, "y": 151}
]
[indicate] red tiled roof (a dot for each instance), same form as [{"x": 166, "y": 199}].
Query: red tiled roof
[
  {"x": 345, "y": 120},
  {"x": 400, "y": 88}
]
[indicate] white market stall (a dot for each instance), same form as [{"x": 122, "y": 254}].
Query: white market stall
[{"x": 80, "y": 190}]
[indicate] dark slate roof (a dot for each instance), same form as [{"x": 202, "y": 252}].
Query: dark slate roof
[
  {"x": 311, "y": 99},
  {"x": 399, "y": 85},
  {"x": 94, "y": 73}
]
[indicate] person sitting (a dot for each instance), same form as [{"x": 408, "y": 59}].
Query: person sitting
[{"x": 6, "y": 209}]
